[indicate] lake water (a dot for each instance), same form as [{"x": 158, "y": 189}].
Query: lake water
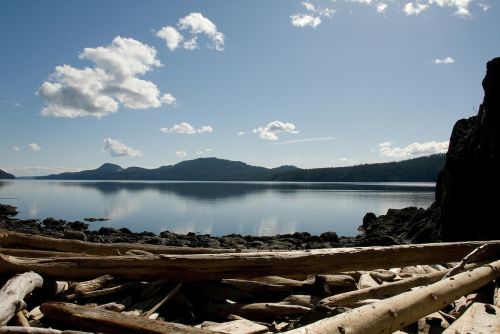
[{"x": 217, "y": 208}]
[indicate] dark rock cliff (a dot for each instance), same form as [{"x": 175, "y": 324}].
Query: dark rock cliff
[
  {"x": 466, "y": 199},
  {"x": 5, "y": 175}
]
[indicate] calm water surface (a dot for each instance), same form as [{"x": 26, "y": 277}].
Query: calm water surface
[{"x": 217, "y": 208}]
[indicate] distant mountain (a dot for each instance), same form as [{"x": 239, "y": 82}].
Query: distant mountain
[
  {"x": 5, "y": 175},
  {"x": 422, "y": 169},
  {"x": 213, "y": 169}
]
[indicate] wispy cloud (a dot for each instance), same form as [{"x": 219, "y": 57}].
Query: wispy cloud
[
  {"x": 181, "y": 154},
  {"x": 34, "y": 147},
  {"x": 313, "y": 16},
  {"x": 187, "y": 129},
  {"x": 445, "y": 61},
  {"x": 387, "y": 150},
  {"x": 414, "y": 8},
  {"x": 118, "y": 149},
  {"x": 304, "y": 140}
]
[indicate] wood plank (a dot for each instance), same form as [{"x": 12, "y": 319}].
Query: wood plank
[{"x": 244, "y": 265}]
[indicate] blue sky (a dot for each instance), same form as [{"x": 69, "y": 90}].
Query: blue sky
[{"x": 313, "y": 84}]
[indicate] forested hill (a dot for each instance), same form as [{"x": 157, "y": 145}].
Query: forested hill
[
  {"x": 5, "y": 175},
  {"x": 423, "y": 169}
]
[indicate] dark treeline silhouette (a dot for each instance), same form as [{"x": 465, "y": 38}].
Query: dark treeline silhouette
[
  {"x": 5, "y": 175},
  {"x": 423, "y": 169}
]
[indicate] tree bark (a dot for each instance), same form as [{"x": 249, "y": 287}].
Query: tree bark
[
  {"x": 13, "y": 292},
  {"x": 244, "y": 265},
  {"x": 111, "y": 322},
  {"x": 392, "y": 314}
]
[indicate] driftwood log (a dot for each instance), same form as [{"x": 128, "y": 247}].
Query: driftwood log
[
  {"x": 14, "y": 239},
  {"x": 479, "y": 318},
  {"x": 35, "y": 330},
  {"x": 238, "y": 265},
  {"x": 392, "y": 314},
  {"x": 100, "y": 320},
  {"x": 13, "y": 292}
]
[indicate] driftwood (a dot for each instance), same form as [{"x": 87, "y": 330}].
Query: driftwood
[
  {"x": 14, "y": 239},
  {"x": 240, "y": 326},
  {"x": 92, "y": 285},
  {"x": 13, "y": 293},
  {"x": 392, "y": 314},
  {"x": 479, "y": 318},
  {"x": 255, "y": 311},
  {"x": 104, "y": 292},
  {"x": 496, "y": 293},
  {"x": 469, "y": 257},
  {"x": 36, "y": 253},
  {"x": 239, "y": 265},
  {"x": 382, "y": 291},
  {"x": 34, "y": 330},
  {"x": 20, "y": 319},
  {"x": 163, "y": 301},
  {"x": 112, "y": 322}
]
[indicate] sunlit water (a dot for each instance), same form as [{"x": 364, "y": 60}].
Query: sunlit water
[{"x": 217, "y": 208}]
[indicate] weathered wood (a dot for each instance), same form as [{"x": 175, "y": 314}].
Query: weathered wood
[
  {"x": 255, "y": 311},
  {"x": 35, "y": 253},
  {"x": 238, "y": 326},
  {"x": 111, "y": 322},
  {"x": 16, "y": 239},
  {"x": 104, "y": 292},
  {"x": 20, "y": 319},
  {"x": 220, "y": 292},
  {"x": 35, "y": 330},
  {"x": 392, "y": 314},
  {"x": 381, "y": 291},
  {"x": 243, "y": 265},
  {"x": 469, "y": 257},
  {"x": 496, "y": 293},
  {"x": 170, "y": 294},
  {"x": 13, "y": 292},
  {"x": 92, "y": 285},
  {"x": 301, "y": 300},
  {"x": 479, "y": 318}
]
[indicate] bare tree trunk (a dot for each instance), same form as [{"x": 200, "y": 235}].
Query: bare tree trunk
[
  {"x": 244, "y": 265},
  {"x": 13, "y": 292},
  {"x": 392, "y": 314}
]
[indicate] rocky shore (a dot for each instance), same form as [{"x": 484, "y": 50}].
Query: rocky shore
[{"x": 78, "y": 230}]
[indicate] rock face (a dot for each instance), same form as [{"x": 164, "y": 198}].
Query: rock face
[
  {"x": 466, "y": 188},
  {"x": 465, "y": 206}
]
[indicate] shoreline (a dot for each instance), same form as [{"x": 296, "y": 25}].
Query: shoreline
[{"x": 78, "y": 230}]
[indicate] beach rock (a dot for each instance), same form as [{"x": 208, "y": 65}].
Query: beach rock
[
  {"x": 8, "y": 210},
  {"x": 75, "y": 235},
  {"x": 369, "y": 218},
  {"x": 329, "y": 237},
  {"x": 53, "y": 223},
  {"x": 77, "y": 226},
  {"x": 109, "y": 231}
]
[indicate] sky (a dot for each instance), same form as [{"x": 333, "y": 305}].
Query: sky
[{"x": 270, "y": 83}]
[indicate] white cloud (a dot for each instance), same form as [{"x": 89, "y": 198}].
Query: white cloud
[
  {"x": 414, "y": 8},
  {"x": 34, "y": 147},
  {"x": 71, "y": 92},
  {"x": 412, "y": 150},
  {"x": 271, "y": 130},
  {"x": 187, "y": 129},
  {"x": 181, "y": 154},
  {"x": 15, "y": 148},
  {"x": 381, "y": 7},
  {"x": 241, "y": 133},
  {"x": 309, "y": 6},
  {"x": 171, "y": 36},
  {"x": 461, "y": 6},
  {"x": 305, "y": 20},
  {"x": 445, "y": 61},
  {"x": 118, "y": 149},
  {"x": 366, "y": 2},
  {"x": 198, "y": 24},
  {"x": 484, "y": 7},
  {"x": 168, "y": 99},
  {"x": 191, "y": 44}
]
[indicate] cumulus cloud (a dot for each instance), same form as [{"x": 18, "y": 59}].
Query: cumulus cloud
[
  {"x": 461, "y": 6},
  {"x": 118, "y": 149},
  {"x": 113, "y": 81},
  {"x": 414, "y": 8},
  {"x": 241, "y": 133},
  {"x": 181, "y": 154},
  {"x": 194, "y": 24},
  {"x": 171, "y": 36},
  {"x": 168, "y": 99},
  {"x": 484, "y": 7},
  {"x": 271, "y": 130},
  {"x": 445, "y": 61},
  {"x": 413, "y": 150},
  {"x": 187, "y": 129},
  {"x": 33, "y": 147},
  {"x": 15, "y": 148},
  {"x": 312, "y": 18}
]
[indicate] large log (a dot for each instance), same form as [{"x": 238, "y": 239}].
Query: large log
[
  {"x": 479, "y": 318},
  {"x": 16, "y": 239},
  {"x": 13, "y": 292},
  {"x": 255, "y": 311},
  {"x": 392, "y": 314},
  {"x": 244, "y": 265},
  {"x": 98, "y": 320}
]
